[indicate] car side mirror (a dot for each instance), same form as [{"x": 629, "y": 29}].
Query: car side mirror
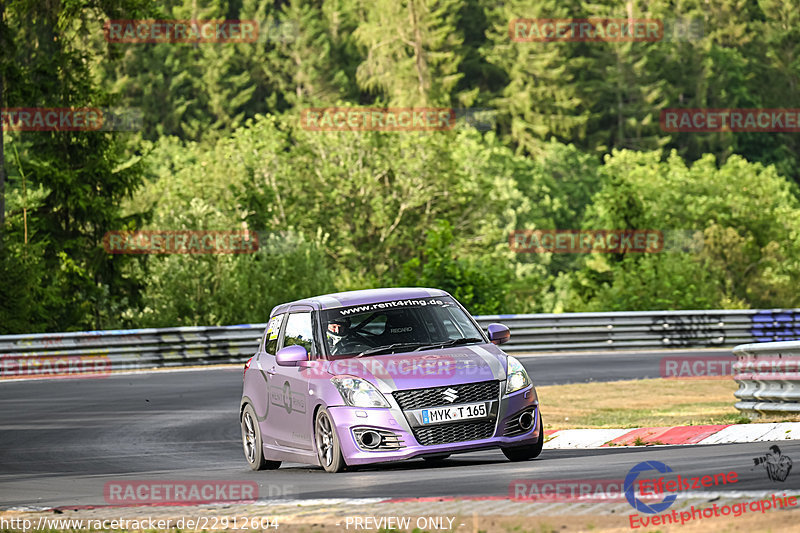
[
  {"x": 292, "y": 355},
  {"x": 498, "y": 333}
]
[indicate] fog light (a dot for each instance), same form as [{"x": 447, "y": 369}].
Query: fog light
[{"x": 371, "y": 439}]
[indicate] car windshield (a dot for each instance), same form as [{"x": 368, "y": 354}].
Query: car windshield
[{"x": 397, "y": 326}]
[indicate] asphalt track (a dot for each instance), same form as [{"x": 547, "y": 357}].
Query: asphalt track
[
  {"x": 61, "y": 440},
  {"x": 559, "y": 369}
]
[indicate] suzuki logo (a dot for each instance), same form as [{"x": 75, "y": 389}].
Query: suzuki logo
[{"x": 450, "y": 395}]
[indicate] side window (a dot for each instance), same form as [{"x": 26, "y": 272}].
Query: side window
[
  {"x": 274, "y": 327},
  {"x": 300, "y": 331}
]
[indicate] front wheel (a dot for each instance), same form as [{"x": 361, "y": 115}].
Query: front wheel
[
  {"x": 251, "y": 440},
  {"x": 525, "y": 453},
  {"x": 329, "y": 451}
]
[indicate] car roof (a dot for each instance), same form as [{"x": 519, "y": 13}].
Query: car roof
[{"x": 362, "y": 297}]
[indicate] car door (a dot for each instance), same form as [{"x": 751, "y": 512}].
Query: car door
[
  {"x": 266, "y": 365},
  {"x": 289, "y": 385}
]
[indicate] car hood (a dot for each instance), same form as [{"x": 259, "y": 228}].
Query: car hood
[{"x": 430, "y": 368}]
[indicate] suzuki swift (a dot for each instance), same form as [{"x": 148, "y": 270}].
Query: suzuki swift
[{"x": 383, "y": 375}]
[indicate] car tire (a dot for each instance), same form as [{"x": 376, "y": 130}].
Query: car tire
[
  {"x": 252, "y": 443},
  {"x": 525, "y": 453},
  {"x": 329, "y": 450}
]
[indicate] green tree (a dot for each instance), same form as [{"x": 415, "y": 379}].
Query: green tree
[
  {"x": 542, "y": 97},
  {"x": 83, "y": 174},
  {"x": 480, "y": 284},
  {"x": 411, "y": 51},
  {"x": 746, "y": 213}
]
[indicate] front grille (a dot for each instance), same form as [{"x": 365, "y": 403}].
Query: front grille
[
  {"x": 434, "y": 396},
  {"x": 445, "y": 433}
]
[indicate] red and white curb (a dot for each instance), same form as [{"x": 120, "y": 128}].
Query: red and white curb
[{"x": 716, "y": 434}]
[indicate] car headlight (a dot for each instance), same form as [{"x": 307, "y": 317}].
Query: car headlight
[
  {"x": 517, "y": 377},
  {"x": 357, "y": 392}
]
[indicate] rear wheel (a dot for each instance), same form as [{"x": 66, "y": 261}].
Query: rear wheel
[
  {"x": 251, "y": 441},
  {"x": 329, "y": 451},
  {"x": 525, "y": 453}
]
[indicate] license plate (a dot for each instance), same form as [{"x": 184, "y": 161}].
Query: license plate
[{"x": 455, "y": 412}]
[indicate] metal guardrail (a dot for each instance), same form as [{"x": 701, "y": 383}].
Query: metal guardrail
[
  {"x": 173, "y": 347},
  {"x": 768, "y": 375},
  {"x": 646, "y": 329},
  {"x": 102, "y": 351}
]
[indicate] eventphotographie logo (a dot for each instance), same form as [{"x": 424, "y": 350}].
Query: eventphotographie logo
[
  {"x": 775, "y": 463},
  {"x": 631, "y": 483}
]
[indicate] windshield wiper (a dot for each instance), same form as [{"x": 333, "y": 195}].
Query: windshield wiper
[
  {"x": 391, "y": 348},
  {"x": 454, "y": 342}
]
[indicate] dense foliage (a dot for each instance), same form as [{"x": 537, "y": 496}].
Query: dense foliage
[{"x": 576, "y": 143}]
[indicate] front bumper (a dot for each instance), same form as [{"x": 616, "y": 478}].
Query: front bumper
[{"x": 347, "y": 419}]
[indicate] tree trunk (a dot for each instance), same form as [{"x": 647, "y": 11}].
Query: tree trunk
[
  {"x": 419, "y": 57},
  {"x": 2, "y": 156}
]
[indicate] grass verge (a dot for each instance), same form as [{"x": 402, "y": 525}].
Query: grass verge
[{"x": 643, "y": 403}]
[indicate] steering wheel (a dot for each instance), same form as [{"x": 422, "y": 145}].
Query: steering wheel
[{"x": 353, "y": 343}]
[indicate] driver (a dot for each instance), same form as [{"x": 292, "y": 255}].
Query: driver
[{"x": 338, "y": 329}]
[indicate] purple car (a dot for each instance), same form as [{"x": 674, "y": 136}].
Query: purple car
[{"x": 383, "y": 375}]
